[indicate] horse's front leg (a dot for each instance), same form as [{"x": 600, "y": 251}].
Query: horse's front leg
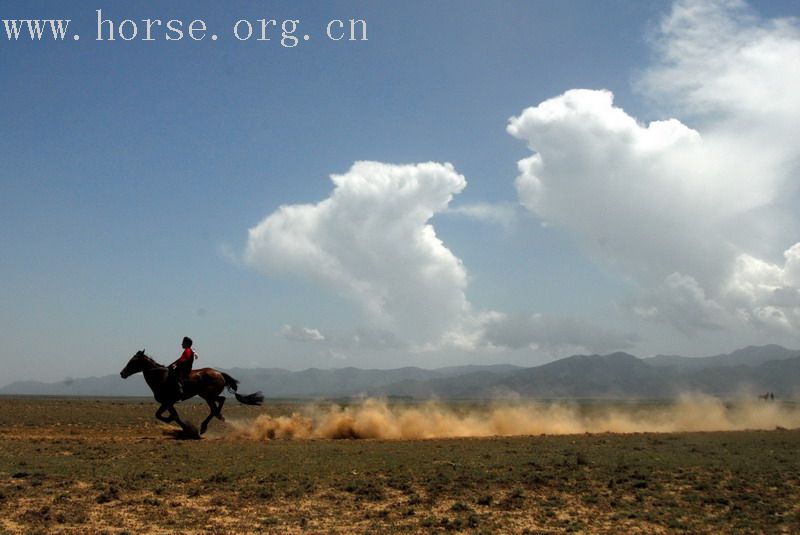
[
  {"x": 173, "y": 414},
  {"x": 189, "y": 429},
  {"x": 162, "y": 409}
]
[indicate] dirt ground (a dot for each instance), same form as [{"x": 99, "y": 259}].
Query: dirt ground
[{"x": 106, "y": 466}]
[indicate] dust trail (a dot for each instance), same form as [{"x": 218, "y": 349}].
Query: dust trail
[{"x": 375, "y": 418}]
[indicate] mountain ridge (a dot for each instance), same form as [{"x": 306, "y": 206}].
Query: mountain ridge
[{"x": 616, "y": 375}]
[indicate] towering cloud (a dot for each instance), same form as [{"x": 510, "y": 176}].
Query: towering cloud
[
  {"x": 696, "y": 215},
  {"x": 372, "y": 242}
]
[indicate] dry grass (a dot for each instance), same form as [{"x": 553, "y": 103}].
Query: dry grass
[{"x": 95, "y": 466}]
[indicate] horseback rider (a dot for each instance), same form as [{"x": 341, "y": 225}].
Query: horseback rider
[{"x": 180, "y": 369}]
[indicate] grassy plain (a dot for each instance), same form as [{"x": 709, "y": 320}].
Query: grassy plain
[{"x": 106, "y": 466}]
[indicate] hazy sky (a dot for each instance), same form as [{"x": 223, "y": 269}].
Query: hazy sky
[{"x": 478, "y": 182}]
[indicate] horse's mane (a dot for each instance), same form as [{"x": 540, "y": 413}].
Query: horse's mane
[{"x": 151, "y": 361}]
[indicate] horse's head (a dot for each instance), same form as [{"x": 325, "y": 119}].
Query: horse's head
[{"x": 135, "y": 365}]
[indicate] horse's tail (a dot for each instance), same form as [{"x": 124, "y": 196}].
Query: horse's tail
[
  {"x": 232, "y": 384},
  {"x": 256, "y": 398}
]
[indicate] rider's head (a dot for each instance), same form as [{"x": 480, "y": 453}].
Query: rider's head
[{"x": 187, "y": 342}]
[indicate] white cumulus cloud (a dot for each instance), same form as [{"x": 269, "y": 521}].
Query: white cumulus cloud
[
  {"x": 301, "y": 334},
  {"x": 767, "y": 294},
  {"x": 372, "y": 242},
  {"x": 694, "y": 210}
]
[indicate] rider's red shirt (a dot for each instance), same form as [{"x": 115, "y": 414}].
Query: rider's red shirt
[{"x": 187, "y": 354}]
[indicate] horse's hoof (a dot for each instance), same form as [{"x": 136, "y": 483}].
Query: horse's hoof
[{"x": 190, "y": 432}]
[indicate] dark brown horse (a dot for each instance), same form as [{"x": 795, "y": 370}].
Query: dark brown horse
[{"x": 207, "y": 383}]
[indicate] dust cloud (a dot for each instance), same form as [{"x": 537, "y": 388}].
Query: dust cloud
[{"x": 378, "y": 419}]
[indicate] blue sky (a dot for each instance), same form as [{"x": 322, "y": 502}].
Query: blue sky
[{"x": 132, "y": 173}]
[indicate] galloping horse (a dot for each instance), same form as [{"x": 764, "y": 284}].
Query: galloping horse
[{"x": 207, "y": 383}]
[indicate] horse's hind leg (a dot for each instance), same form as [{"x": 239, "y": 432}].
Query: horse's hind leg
[
  {"x": 221, "y": 401},
  {"x": 216, "y": 410},
  {"x": 213, "y": 407}
]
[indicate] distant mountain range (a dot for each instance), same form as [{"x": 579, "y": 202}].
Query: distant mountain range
[
  {"x": 620, "y": 375},
  {"x": 769, "y": 368}
]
